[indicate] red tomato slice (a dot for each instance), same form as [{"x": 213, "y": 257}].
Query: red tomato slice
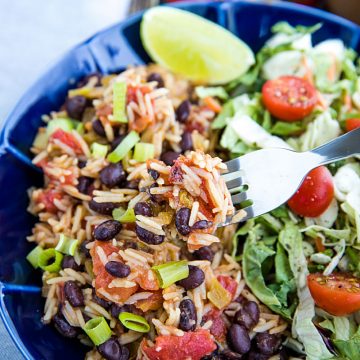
[
  {"x": 315, "y": 193},
  {"x": 338, "y": 294},
  {"x": 228, "y": 283},
  {"x": 103, "y": 278},
  {"x": 67, "y": 139},
  {"x": 192, "y": 345},
  {"x": 47, "y": 198},
  {"x": 289, "y": 98},
  {"x": 218, "y": 327},
  {"x": 352, "y": 124}
]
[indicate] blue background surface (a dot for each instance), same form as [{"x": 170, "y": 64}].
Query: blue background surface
[{"x": 20, "y": 302}]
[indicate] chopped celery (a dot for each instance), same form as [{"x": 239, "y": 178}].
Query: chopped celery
[
  {"x": 124, "y": 147},
  {"x": 134, "y": 322},
  {"x": 218, "y": 295},
  {"x": 33, "y": 256},
  {"x": 143, "y": 152},
  {"x": 171, "y": 272},
  {"x": 123, "y": 216},
  {"x": 98, "y": 151},
  {"x": 119, "y": 102},
  {"x": 60, "y": 123},
  {"x": 50, "y": 260},
  {"x": 67, "y": 245},
  {"x": 98, "y": 330},
  {"x": 80, "y": 128},
  {"x": 41, "y": 140}
]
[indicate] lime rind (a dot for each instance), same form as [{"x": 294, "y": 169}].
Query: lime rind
[{"x": 192, "y": 46}]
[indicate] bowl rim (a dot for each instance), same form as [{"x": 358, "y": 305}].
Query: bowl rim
[{"x": 23, "y": 101}]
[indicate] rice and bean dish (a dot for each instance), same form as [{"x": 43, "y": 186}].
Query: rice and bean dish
[{"x": 134, "y": 262}]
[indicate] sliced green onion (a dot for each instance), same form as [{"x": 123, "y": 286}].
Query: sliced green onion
[
  {"x": 119, "y": 102},
  {"x": 171, "y": 272},
  {"x": 143, "y": 152},
  {"x": 60, "y": 123},
  {"x": 84, "y": 91},
  {"x": 98, "y": 330},
  {"x": 134, "y": 322},
  {"x": 80, "y": 128},
  {"x": 50, "y": 260},
  {"x": 124, "y": 147},
  {"x": 66, "y": 245},
  {"x": 98, "y": 151},
  {"x": 41, "y": 140},
  {"x": 33, "y": 256},
  {"x": 124, "y": 216}
]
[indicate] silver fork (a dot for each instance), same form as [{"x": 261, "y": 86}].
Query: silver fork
[{"x": 265, "y": 179}]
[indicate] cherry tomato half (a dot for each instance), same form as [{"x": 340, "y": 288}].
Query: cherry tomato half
[
  {"x": 314, "y": 194},
  {"x": 289, "y": 98},
  {"x": 352, "y": 124},
  {"x": 338, "y": 294}
]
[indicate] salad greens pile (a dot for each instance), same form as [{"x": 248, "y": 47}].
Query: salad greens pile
[{"x": 278, "y": 250}]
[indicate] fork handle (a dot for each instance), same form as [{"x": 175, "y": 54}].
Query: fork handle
[{"x": 340, "y": 148}]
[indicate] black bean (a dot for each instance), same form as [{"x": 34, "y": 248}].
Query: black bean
[
  {"x": 86, "y": 79},
  {"x": 132, "y": 184},
  {"x": 238, "y": 339},
  {"x": 63, "y": 327},
  {"x": 68, "y": 262},
  {"x": 204, "y": 253},
  {"x": 98, "y": 300},
  {"x": 84, "y": 249},
  {"x": 148, "y": 237},
  {"x": 116, "y": 310},
  {"x": 183, "y": 111},
  {"x": 112, "y": 350},
  {"x": 182, "y": 221},
  {"x": 196, "y": 278},
  {"x": 267, "y": 343},
  {"x": 117, "y": 141},
  {"x": 73, "y": 293},
  {"x": 230, "y": 355},
  {"x": 98, "y": 127},
  {"x": 102, "y": 208},
  {"x": 169, "y": 157},
  {"x": 117, "y": 269},
  {"x": 82, "y": 163},
  {"x": 75, "y": 106},
  {"x": 248, "y": 315},
  {"x": 142, "y": 208},
  {"x": 154, "y": 174},
  {"x": 188, "y": 316},
  {"x": 112, "y": 175},
  {"x": 201, "y": 225},
  {"x": 156, "y": 77},
  {"x": 84, "y": 184},
  {"x": 186, "y": 141},
  {"x": 107, "y": 230}
]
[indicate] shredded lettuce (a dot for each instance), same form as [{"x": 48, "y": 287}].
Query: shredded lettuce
[{"x": 215, "y": 91}]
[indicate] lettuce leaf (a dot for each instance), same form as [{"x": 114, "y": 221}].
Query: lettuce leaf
[
  {"x": 215, "y": 91},
  {"x": 286, "y": 28}
]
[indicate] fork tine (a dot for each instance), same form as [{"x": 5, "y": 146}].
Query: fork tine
[
  {"x": 234, "y": 183},
  {"x": 232, "y": 175},
  {"x": 239, "y": 198},
  {"x": 233, "y": 165}
]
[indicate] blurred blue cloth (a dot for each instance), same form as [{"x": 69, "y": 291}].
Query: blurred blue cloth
[{"x": 33, "y": 35}]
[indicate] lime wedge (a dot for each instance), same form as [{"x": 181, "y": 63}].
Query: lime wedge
[{"x": 190, "y": 45}]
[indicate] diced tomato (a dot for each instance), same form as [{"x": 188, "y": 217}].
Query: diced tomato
[
  {"x": 315, "y": 193},
  {"x": 104, "y": 110},
  {"x": 352, "y": 124},
  {"x": 338, "y": 294},
  {"x": 103, "y": 278},
  {"x": 147, "y": 279},
  {"x": 47, "y": 198},
  {"x": 131, "y": 92},
  {"x": 154, "y": 302},
  {"x": 218, "y": 327},
  {"x": 289, "y": 98},
  {"x": 140, "y": 123},
  {"x": 228, "y": 283},
  {"x": 67, "y": 139},
  {"x": 192, "y": 345}
]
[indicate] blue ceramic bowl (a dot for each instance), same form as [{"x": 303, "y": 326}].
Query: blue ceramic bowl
[{"x": 21, "y": 305}]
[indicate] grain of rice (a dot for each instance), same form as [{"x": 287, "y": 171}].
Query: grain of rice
[
  {"x": 59, "y": 279},
  {"x": 141, "y": 197},
  {"x": 148, "y": 221},
  {"x": 207, "y": 325},
  {"x": 278, "y": 329},
  {"x": 160, "y": 190},
  {"x": 247, "y": 295},
  {"x": 138, "y": 296},
  {"x": 121, "y": 283},
  {"x": 150, "y": 228},
  {"x": 194, "y": 212},
  {"x": 101, "y": 253},
  {"x": 202, "y": 239},
  {"x": 241, "y": 214},
  {"x": 166, "y": 330},
  {"x": 269, "y": 316},
  {"x": 264, "y": 327},
  {"x": 129, "y": 337},
  {"x": 96, "y": 308}
]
